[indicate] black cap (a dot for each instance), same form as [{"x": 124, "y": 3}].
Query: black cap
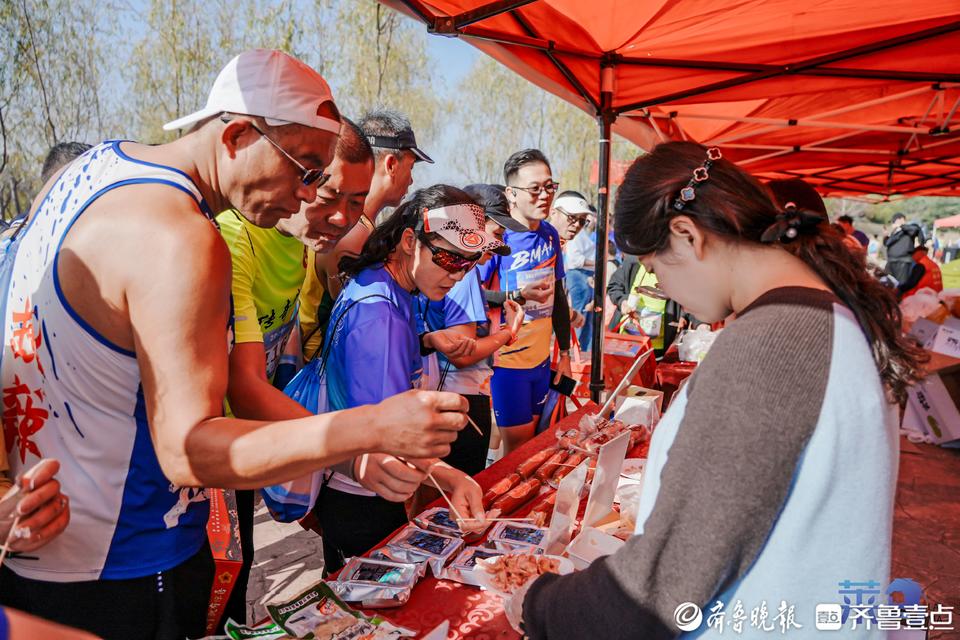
[
  {"x": 403, "y": 140},
  {"x": 495, "y": 205}
]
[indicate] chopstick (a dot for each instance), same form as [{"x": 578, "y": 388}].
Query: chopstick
[
  {"x": 6, "y": 544},
  {"x": 500, "y": 520}
]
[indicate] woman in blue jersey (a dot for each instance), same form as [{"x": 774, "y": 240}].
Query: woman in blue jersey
[
  {"x": 375, "y": 351},
  {"x": 464, "y": 311}
]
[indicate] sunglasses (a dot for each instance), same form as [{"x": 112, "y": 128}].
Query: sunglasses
[
  {"x": 450, "y": 261},
  {"x": 549, "y": 187},
  {"x": 307, "y": 176}
]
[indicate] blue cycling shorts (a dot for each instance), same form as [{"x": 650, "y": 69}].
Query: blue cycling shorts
[{"x": 519, "y": 394}]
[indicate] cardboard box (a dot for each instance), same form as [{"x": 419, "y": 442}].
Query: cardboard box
[{"x": 223, "y": 530}]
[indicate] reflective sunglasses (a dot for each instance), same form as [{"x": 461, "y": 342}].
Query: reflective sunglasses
[
  {"x": 307, "y": 176},
  {"x": 450, "y": 261}
]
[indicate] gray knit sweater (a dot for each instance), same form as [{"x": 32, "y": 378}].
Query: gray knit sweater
[{"x": 770, "y": 480}]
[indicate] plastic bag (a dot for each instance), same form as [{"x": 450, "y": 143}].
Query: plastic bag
[
  {"x": 295, "y": 498},
  {"x": 694, "y": 345},
  {"x": 920, "y": 305}
]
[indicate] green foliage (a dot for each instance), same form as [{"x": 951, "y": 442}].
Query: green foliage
[
  {"x": 88, "y": 71},
  {"x": 919, "y": 209}
]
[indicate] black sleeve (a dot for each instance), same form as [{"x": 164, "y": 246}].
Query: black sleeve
[
  {"x": 494, "y": 298},
  {"x": 618, "y": 289},
  {"x": 916, "y": 273},
  {"x": 561, "y": 316}
]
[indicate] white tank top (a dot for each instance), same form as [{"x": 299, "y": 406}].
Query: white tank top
[{"x": 71, "y": 394}]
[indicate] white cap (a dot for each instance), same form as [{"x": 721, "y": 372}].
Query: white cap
[
  {"x": 270, "y": 84},
  {"x": 572, "y": 205},
  {"x": 463, "y": 226}
]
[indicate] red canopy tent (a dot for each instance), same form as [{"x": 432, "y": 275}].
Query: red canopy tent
[{"x": 857, "y": 98}]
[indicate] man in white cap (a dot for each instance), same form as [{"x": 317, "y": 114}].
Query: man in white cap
[
  {"x": 570, "y": 215},
  {"x": 122, "y": 284}
]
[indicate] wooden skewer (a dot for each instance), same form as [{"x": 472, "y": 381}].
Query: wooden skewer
[
  {"x": 474, "y": 425},
  {"x": 6, "y": 544},
  {"x": 500, "y": 520},
  {"x": 581, "y": 450},
  {"x": 443, "y": 493}
]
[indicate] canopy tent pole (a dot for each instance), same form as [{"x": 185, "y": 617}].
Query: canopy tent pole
[{"x": 605, "y": 119}]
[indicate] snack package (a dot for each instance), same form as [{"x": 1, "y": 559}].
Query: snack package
[
  {"x": 377, "y": 583},
  {"x": 413, "y": 544},
  {"x": 267, "y": 631},
  {"x": 514, "y": 536},
  {"x": 318, "y": 614},
  {"x": 464, "y": 566},
  {"x": 438, "y": 520}
]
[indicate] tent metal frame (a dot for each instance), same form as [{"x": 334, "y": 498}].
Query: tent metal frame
[{"x": 465, "y": 24}]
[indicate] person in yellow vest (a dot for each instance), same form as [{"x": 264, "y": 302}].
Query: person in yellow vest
[{"x": 924, "y": 274}]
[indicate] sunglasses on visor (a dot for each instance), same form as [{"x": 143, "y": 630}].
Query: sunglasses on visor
[{"x": 450, "y": 261}]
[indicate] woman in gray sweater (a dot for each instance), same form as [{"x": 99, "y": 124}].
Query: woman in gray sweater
[{"x": 770, "y": 480}]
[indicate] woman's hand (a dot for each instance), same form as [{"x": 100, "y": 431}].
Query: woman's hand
[
  {"x": 43, "y": 510},
  {"x": 514, "y": 316},
  {"x": 450, "y": 343}
]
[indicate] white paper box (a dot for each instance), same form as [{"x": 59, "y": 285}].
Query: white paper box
[
  {"x": 639, "y": 405},
  {"x": 947, "y": 341},
  {"x": 591, "y": 545},
  {"x": 933, "y": 410}
]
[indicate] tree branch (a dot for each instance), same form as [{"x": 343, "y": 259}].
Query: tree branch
[{"x": 36, "y": 62}]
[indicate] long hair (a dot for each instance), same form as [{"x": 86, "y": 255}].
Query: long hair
[
  {"x": 385, "y": 238},
  {"x": 734, "y": 205}
]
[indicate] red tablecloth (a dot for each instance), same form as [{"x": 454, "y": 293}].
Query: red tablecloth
[{"x": 472, "y": 613}]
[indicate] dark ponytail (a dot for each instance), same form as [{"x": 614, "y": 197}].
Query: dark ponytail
[
  {"x": 733, "y": 204},
  {"x": 385, "y": 237}
]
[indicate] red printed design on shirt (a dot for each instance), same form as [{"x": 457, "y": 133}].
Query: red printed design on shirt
[{"x": 21, "y": 419}]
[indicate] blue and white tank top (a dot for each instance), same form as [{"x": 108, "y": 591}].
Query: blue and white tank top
[{"x": 71, "y": 394}]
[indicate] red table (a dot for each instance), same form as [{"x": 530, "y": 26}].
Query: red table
[
  {"x": 671, "y": 372},
  {"x": 472, "y": 613}
]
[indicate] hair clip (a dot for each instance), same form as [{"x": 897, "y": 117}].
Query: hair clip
[
  {"x": 790, "y": 224},
  {"x": 700, "y": 174}
]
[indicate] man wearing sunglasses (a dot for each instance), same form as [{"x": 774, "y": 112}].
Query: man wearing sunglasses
[
  {"x": 120, "y": 301},
  {"x": 531, "y": 275},
  {"x": 269, "y": 267}
]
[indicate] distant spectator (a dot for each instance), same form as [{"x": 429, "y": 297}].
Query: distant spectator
[
  {"x": 60, "y": 154},
  {"x": 847, "y": 223},
  {"x": 900, "y": 245}
]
